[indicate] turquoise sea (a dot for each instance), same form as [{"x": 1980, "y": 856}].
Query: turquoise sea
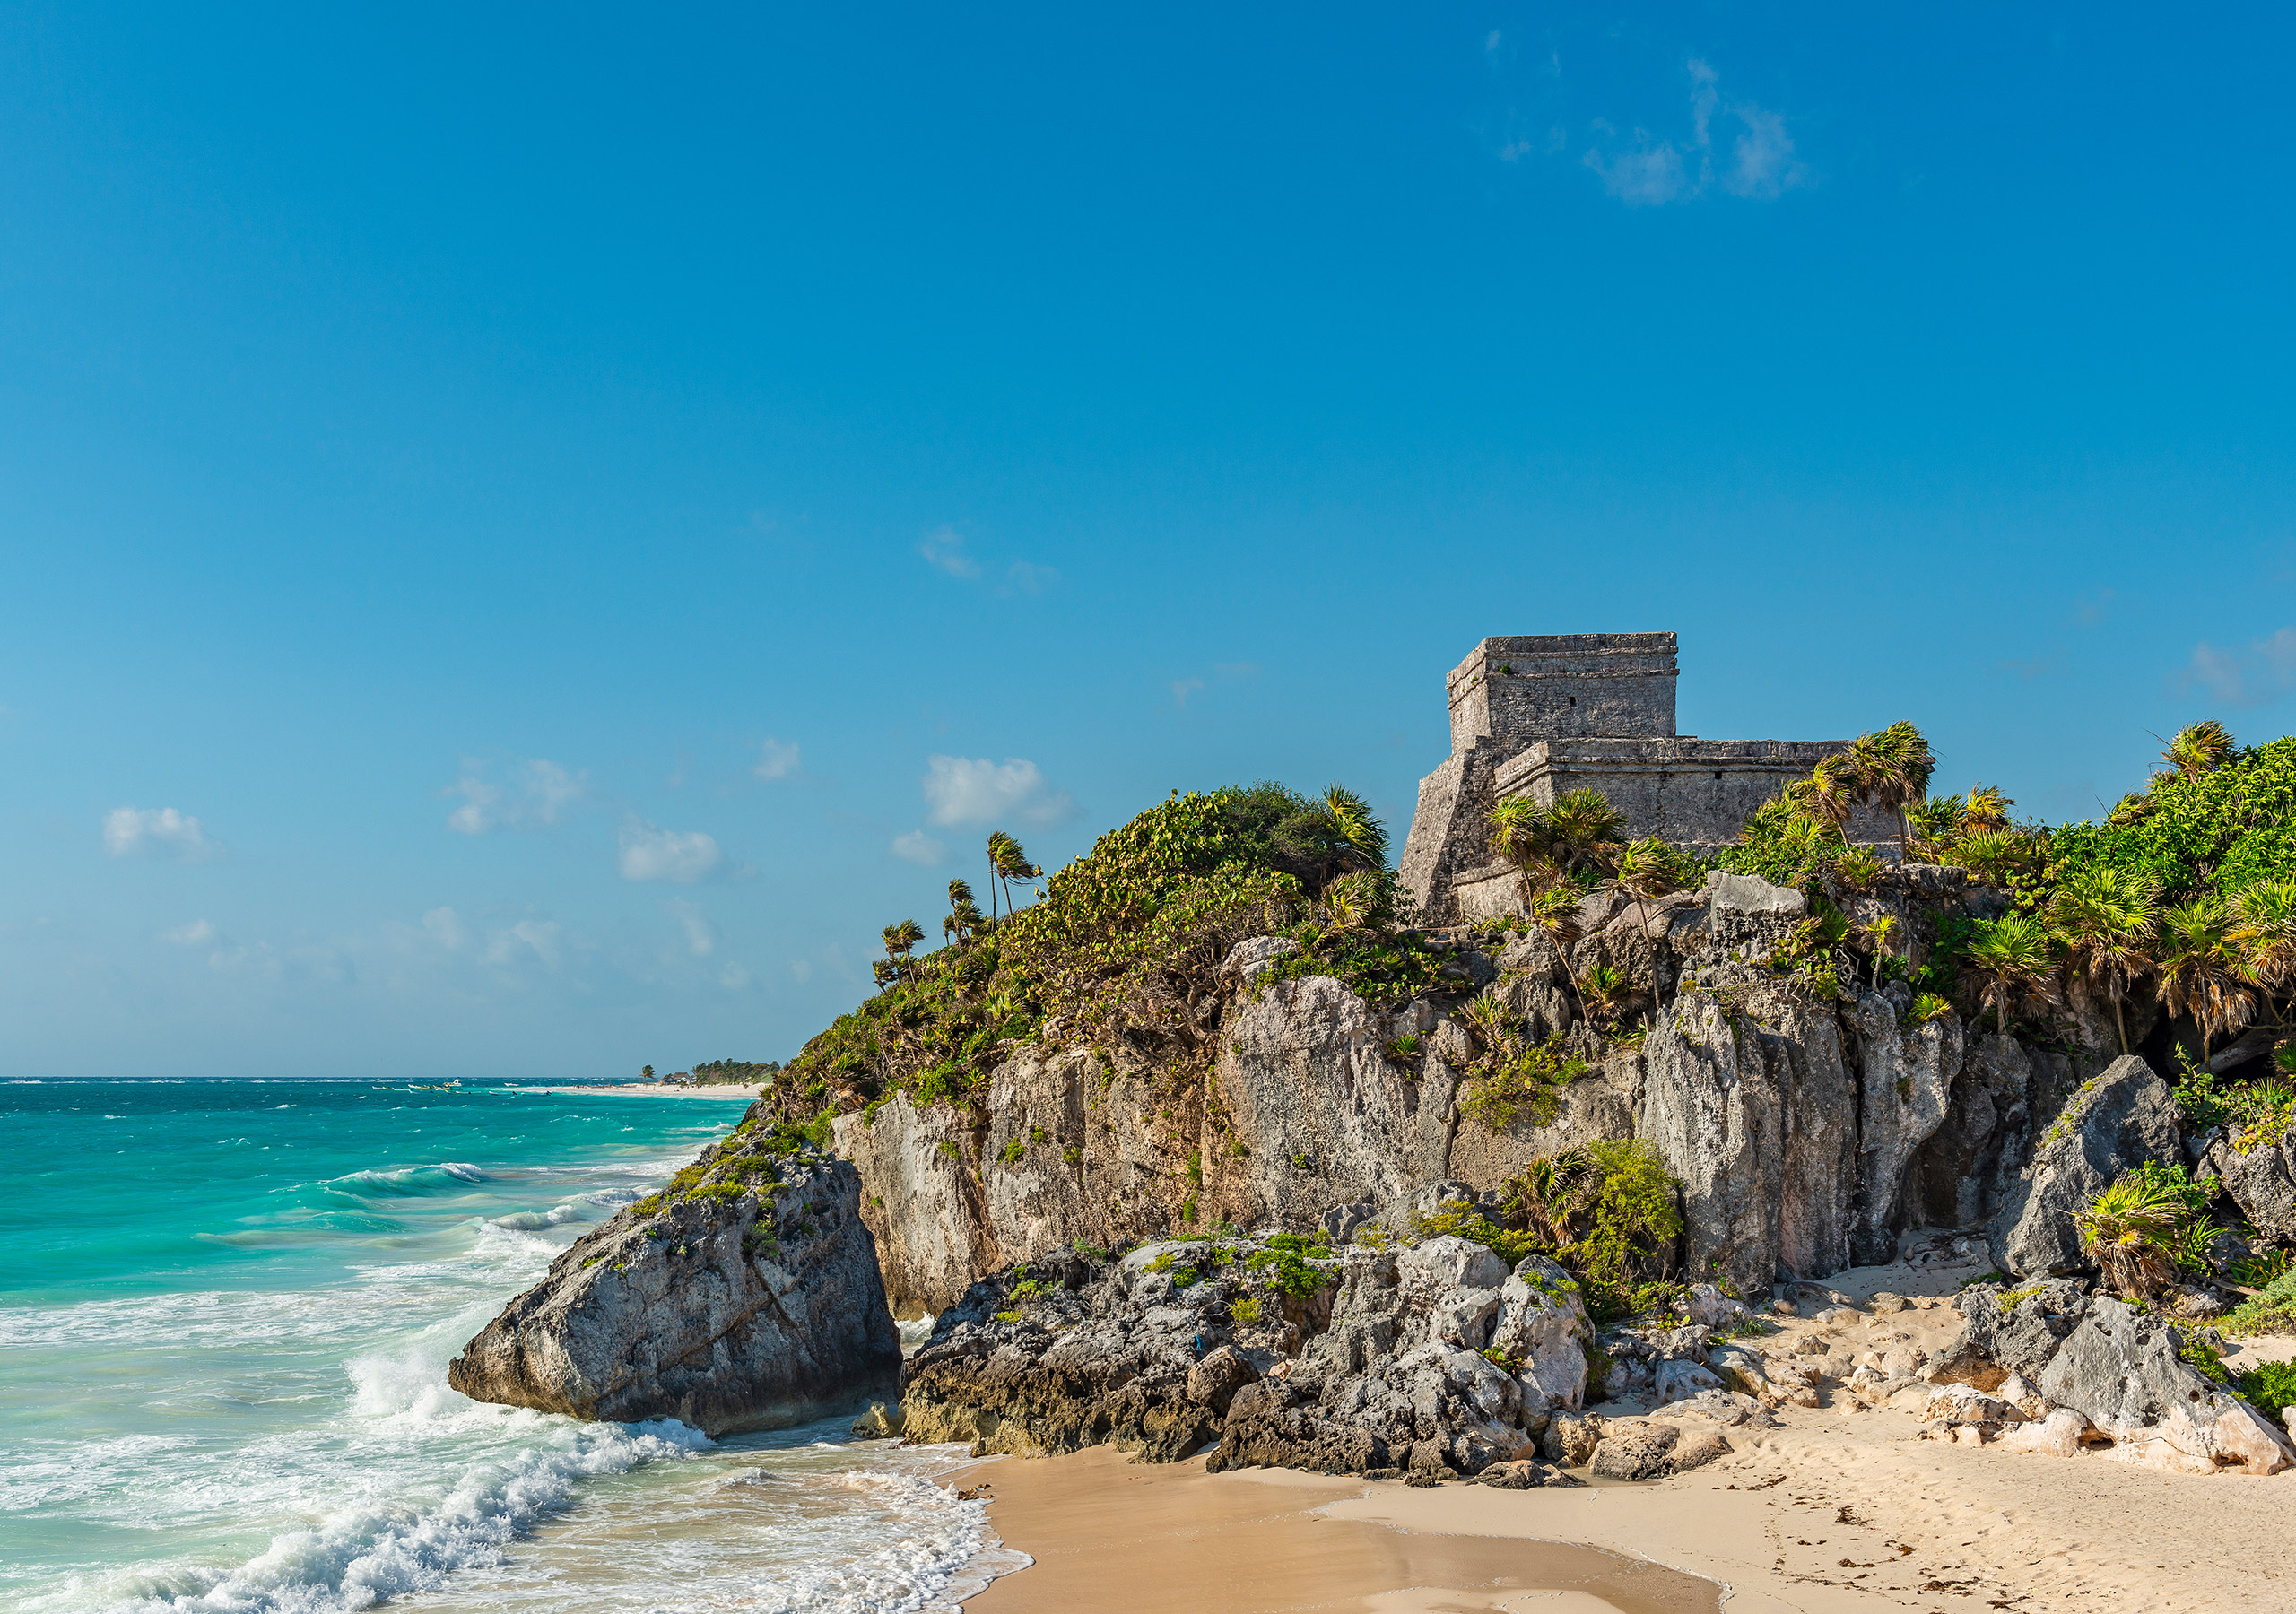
[{"x": 226, "y": 1310}]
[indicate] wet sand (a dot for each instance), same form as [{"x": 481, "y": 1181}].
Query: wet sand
[{"x": 1108, "y": 1534}]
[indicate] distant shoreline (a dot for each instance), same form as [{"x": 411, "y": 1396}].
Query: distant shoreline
[{"x": 653, "y": 1089}]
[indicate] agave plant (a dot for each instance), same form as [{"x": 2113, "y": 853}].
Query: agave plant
[
  {"x": 2199, "y": 746},
  {"x": 1601, "y": 985},
  {"x": 2107, "y": 917},
  {"x": 2011, "y": 957},
  {"x": 2203, "y": 969},
  {"x": 1857, "y": 868}
]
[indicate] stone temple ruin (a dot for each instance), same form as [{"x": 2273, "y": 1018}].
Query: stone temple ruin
[{"x": 1539, "y": 714}]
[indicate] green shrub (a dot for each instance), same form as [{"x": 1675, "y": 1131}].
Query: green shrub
[
  {"x": 1290, "y": 1260},
  {"x": 2270, "y": 1310},
  {"x": 1244, "y": 1309},
  {"x": 2270, "y": 1387}
]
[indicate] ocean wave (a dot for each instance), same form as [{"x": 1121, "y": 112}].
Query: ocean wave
[
  {"x": 448, "y": 1177},
  {"x": 364, "y": 1554},
  {"x": 528, "y": 1221}
]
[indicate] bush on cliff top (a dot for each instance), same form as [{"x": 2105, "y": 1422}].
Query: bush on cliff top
[{"x": 1122, "y": 948}]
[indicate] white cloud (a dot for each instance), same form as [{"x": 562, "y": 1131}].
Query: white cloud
[
  {"x": 535, "y": 936},
  {"x": 1024, "y": 578},
  {"x": 539, "y": 792},
  {"x": 1650, "y": 171},
  {"x": 130, "y": 830},
  {"x": 1182, "y": 688},
  {"x": 776, "y": 761},
  {"x": 199, "y": 933},
  {"x": 2265, "y": 670},
  {"x": 678, "y": 856},
  {"x": 733, "y": 977},
  {"x": 801, "y": 970},
  {"x": 920, "y": 848},
  {"x": 964, "y": 790},
  {"x": 943, "y": 549},
  {"x": 446, "y": 927},
  {"x": 700, "y": 937}
]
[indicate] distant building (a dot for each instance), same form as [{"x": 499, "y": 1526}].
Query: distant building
[{"x": 1542, "y": 713}]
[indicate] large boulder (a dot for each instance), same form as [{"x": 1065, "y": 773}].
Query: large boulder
[
  {"x": 2261, "y": 1180},
  {"x": 744, "y": 1295},
  {"x": 2009, "y": 1332},
  {"x": 2115, "y": 1122},
  {"x": 2120, "y": 1368}
]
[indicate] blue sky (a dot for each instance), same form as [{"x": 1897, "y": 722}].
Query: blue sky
[{"x": 530, "y": 537}]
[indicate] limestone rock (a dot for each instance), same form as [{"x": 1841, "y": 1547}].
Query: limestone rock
[
  {"x": 1381, "y": 1364},
  {"x": 2119, "y": 1369},
  {"x": 2262, "y": 1183},
  {"x": 747, "y": 1298},
  {"x": 1903, "y": 1078},
  {"x": 1634, "y": 1451},
  {"x": 1677, "y": 1379},
  {"x": 1571, "y": 1441},
  {"x": 2057, "y": 1434},
  {"x": 1998, "y": 1339},
  {"x": 2121, "y": 1118}
]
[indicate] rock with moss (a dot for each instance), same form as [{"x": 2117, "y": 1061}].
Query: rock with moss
[
  {"x": 2116, "y": 1122},
  {"x": 1437, "y": 1358},
  {"x": 743, "y": 1296}
]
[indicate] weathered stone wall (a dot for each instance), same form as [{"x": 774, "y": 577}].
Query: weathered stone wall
[
  {"x": 1687, "y": 790},
  {"x": 1539, "y": 714},
  {"x": 1543, "y": 686}
]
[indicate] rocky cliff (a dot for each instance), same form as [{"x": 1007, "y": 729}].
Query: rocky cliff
[
  {"x": 1809, "y": 1128},
  {"x": 746, "y": 1295}
]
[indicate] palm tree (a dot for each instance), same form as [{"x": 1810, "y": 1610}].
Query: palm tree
[
  {"x": 2013, "y": 955},
  {"x": 1936, "y": 822},
  {"x": 1366, "y": 837},
  {"x": 1007, "y": 862},
  {"x": 1987, "y": 811},
  {"x": 2131, "y": 1231},
  {"x": 1996, "y": 856},
  {"x": 1831, "y": 790},
  {"x": 2199, "y": 746},
  {"x": 1583, "y": 830},
  {"x": 1646, "y": 868},
  {"x": 964, "y": 920},
  {"x": 2202, "y": 968},
  {"x": 2106, "y": 917},
  {"x": 1518, "y": 835},
  {"x": 2266, "y": 931},
  {"x": 900, "y": 939}
]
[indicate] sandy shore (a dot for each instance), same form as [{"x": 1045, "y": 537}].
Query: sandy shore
[
  {"x": 1840, "y": 1508},
  {"x": 632, "y": 1089}
]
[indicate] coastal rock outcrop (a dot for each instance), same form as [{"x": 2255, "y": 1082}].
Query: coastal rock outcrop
[
  {"x": 2040, "y": 1353},
  {"x": 746, "y": 1295},
  {"x": 2117, "y": 1120},
  {"x": 1435, "y": 1357},
  {"x": 1810, "y": 1128}
]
